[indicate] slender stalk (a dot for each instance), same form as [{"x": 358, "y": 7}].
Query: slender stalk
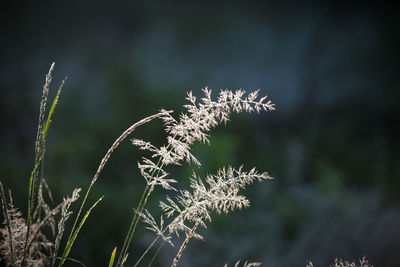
[
  {"x": 76, "y": 232},
  {"x": 132, "y": 225},
  {"x": 184, "y": 244},
  {"x": 138, "y": 218},
  {"x": 142, "y": 203},
  {"x": 80, "y": 210},
  {"x": 155, "y": 254},
  {"x": 30, "y": 206},
  {"x": 39, "y": 210},
  {"x": 147, "y": 250},
  {"x": 103, "y": 162},
  {"x": 135, "y": 222}
]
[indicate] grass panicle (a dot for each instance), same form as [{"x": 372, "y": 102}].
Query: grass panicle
[{"x": 192, "y": 126}]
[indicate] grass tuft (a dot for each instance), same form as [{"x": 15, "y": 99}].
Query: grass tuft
[{"x": 25, "y": 242}]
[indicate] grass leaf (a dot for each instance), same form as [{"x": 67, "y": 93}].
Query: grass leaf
[
  {"x": 72, "y": 240},
  {"x": 111, "y": 263}
]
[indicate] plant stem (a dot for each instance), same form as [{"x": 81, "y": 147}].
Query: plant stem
[
  {"x": 147, "y": 250},
  {"x": 32, "y": 181},
  {"x": 155, "y": 254},
  {"x": 132, "y": 225},
  {"x": 142, "y": 203},
  {"x": 183, "y": 246},
  {"x": 104, "y": 160},
  {"x": 69, "y": 244}
]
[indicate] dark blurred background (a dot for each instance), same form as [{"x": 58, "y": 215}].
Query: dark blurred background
[{"x": 332, "y": 145}]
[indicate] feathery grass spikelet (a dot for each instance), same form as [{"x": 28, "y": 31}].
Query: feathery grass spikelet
[
  {"x": 194, "y": 125},
  {"x": 219, "y": 193}
]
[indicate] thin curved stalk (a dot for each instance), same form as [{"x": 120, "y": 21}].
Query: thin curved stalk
[
  {"x": 141, "y": 209},
  {"x": 131, "y": 228},
  {"x": 103, "y": 162},
  {"x": 32, "y": 182},
  {"x": 135, "y": 220},
  {"x": 184, "y": 244},
  {"x": 76, "y": 232},
  {"x": 147, "y": 250},
  {"x": 155, "y": 254}
]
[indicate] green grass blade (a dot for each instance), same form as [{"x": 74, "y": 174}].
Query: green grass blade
[
  {"x": 51, "y": 112},
  {"x": 78, "y": 216},
  {"x": 111, "y": 263},
  {"x": 72, "y": 240}
]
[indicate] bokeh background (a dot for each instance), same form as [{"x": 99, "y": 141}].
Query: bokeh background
[{"x": 332, "y": 145}]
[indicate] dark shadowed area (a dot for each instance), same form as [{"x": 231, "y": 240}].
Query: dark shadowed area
[{"x": 332, "y": 144}]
